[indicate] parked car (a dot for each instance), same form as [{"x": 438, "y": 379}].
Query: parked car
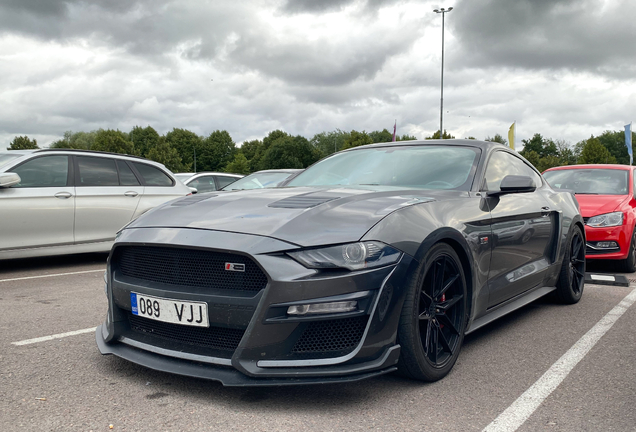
[
  {"x": 182, "y": 177},
  {"x": 263, "y": 179},
  {"x": 606, "y": 195},
  {"x": 210, "y": 181},
  {"x": 70, "y": 201},
  {"x": 376, "y": 258}
]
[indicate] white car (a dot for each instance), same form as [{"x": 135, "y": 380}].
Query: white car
[
  {"x": 55, "y": 202},
  {"x": 207, "y": 181}
]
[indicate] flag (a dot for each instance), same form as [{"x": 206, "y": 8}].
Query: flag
[
  {"x": 511, "y": 136},
  {"x": 394, "y": 128},
  {"x": 628, "y": 142}
]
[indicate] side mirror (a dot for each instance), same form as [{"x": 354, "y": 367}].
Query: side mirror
[
  {"x": 514, "y": 184},
  {"x": 193, "y": 190},
  {"x": 9, "y": 179}
]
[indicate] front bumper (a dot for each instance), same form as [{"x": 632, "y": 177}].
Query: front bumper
[
  {"x": 620, "y": 234},
  {"x": 270, "y": 348}
]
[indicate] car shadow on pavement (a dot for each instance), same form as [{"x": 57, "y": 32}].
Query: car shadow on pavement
[{"x": 44, "y": 263}]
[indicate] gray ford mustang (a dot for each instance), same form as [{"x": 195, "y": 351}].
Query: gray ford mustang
[{"x": 375, "y": 259}]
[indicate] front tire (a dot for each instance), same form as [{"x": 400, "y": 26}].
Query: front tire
[
  {"x": 629, "y": 264},
  {"x": 572, "y": 277},
  {"x": 433, "y": 320}
]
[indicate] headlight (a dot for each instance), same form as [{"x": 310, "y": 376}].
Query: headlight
[
  {"x": 352, "y": 256},
  {"x": 606, "y": 220}
]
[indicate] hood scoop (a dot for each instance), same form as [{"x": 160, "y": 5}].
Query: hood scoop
[
  {"x": 302, "y": 202},
  {"x": 191, "y": 200}
]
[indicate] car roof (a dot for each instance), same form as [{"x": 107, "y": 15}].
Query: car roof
[
  {"x": 101, "y": 153},
  {"x": 446, "y": 142},
  {"x": 282, "y": 170},
  {"x": 215, "y": 173},
  {"x": 591, "y": 166}
]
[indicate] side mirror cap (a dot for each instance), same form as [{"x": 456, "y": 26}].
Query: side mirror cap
[
  {"x": 514, "y": 184},
  {"x": 9, "y": 179},
  {"x": 193, "y": 190}
]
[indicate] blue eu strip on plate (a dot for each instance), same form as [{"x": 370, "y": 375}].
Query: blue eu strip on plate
[{"x": 133, "y": 303}]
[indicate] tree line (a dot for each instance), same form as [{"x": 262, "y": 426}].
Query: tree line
[{"x": 181, "y": 150}]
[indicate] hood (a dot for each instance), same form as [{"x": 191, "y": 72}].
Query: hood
[
  {"x": 592, "y": 205},
  {"x": 302, "y": 216}
]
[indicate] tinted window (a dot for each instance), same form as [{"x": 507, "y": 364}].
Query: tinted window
[
  {"x": 126, "y": 176},
  {"x": 224, "y": 181},
  {"x": 502, "y": 164},
  {"x": 590, "y": 181},
  {"x": 203, "y": 184},
  {"x": 153, "y": 176},
  {"x": 421, "y": 167},
  {"x": 47, "y": 171},
  {"x": 95, "y": 171}
]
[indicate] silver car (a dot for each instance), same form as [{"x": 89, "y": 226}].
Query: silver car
[
  {"x": 71, "y": 201},
  {"x": 208, "y": 181},
  {"x": 264, "y": 179}
]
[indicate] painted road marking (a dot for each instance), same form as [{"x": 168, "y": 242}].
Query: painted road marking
[
  {"x": 52, "y": 337},
  {"x": 51, "y": 275},
  {"x": 521, "y": 409}
]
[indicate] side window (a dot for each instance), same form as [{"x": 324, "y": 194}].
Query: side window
[
  {"x": 203, "y": 184},
  {"x": 502, "y": 164},
  {"x": 97, "y": 171},
  {"x": 153, "y": 176},
  {"x": 224, "y": 181},
  {"x": 126, "y": 176},
  {"x": 46, "y": 171}
]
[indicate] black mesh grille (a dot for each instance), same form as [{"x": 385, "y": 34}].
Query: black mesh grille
[
  {"x": 331, "y": 335},
  {"x": 585, "y": 219},
  {"x": 220, "y": 338},
  {"x": 189, "y": 267}
]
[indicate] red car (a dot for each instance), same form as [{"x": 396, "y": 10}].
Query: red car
[{"x": 606, "y": 196}]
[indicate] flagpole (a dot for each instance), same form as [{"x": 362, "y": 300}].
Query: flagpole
[{"x": 441, "y": 100}]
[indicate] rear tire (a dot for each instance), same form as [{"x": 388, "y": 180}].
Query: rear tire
[
  {"x": 572, "y": 277},
  {"x": 433, "y": 320},
  {"x": 628, "y": 265}
]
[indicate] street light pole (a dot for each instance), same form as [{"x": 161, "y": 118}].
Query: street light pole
[{"x": 441, "y": 101}]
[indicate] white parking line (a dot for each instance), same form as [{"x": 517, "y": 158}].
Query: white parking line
[
  {"x": 51, "y": 275},
  {"x": 521, "y": 409},
  {"x": 52, "y": 337}
]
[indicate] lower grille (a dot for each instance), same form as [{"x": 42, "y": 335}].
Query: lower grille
[
  {"x": 218, "y": 338},
  {"x": 339, "y": 335}
]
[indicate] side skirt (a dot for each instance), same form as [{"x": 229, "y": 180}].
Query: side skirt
[{"x": 511, "y": 306}]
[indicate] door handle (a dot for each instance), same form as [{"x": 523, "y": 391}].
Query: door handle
[
  {"x": 63, "y": 195},
  {"x": 131, "y": 194}
]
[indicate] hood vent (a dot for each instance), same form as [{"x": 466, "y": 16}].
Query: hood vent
[
  {"x": 191, "y": 200},
  {"x": 301, "y": 202}
]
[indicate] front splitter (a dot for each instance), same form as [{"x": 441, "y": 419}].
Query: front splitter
[{"x": 226, "y": 375}]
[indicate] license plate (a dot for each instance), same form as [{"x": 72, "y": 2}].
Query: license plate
[{"x": 170, "y": 311}]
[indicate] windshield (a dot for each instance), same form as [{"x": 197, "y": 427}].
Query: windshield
[
  {"x": 412, "y": 167},
  {"x": 5, "y": 158},
  {"x": 589, "y": 181},
  {"x": 258, "y": 181}
]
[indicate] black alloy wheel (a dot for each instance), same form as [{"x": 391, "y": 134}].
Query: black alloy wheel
[
  {"x": 629, "y": 264},
  {"x": 433, "y": 320},
  {"x": 572, "y": 277}
]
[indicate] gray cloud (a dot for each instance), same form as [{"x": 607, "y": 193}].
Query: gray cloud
[{"x": 580, "y": 35}]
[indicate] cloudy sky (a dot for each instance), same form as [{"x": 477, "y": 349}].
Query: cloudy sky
[{"x": 562, "y": 68}]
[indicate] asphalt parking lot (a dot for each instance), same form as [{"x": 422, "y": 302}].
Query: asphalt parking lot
[{"x": 545, "y": 367}]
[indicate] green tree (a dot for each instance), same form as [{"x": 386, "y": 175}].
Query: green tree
[
  {"x": 217, "y": 151},
  {"x": 327, "y": 143},
  {"x": 381, "y": 136},
  {"x": 406, "y": 137},
  {"x": 614, "y": 142},
  {"x": 187, "y": 144},
  {"x": 145, "y": 139},
  {"x": 289, "y": 152},
  {"x": 544, "y": 147},
  {"x": 23, "y": 143},
  {"x": 76, "y": 140},
  {"x": 594, "y": 152},
  {"x": 114, "y": 141},
  {"x": 436, "y": 135},
  {"x": 498, "y": 139},
  {"x": 240, "y": 165},
  {"x": 356, "y": 139},
  {"x": 162, "y": 152}
]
